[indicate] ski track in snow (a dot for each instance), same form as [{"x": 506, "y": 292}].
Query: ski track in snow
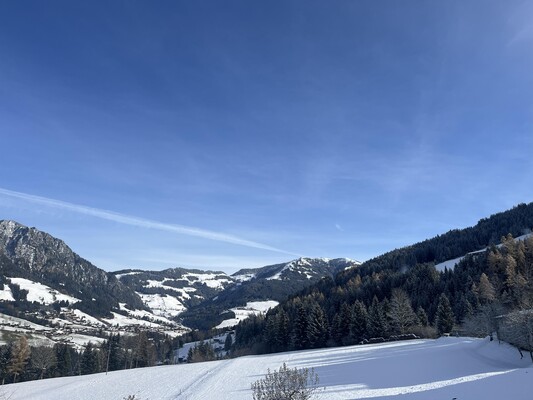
[{"x": 446, "y": 368}]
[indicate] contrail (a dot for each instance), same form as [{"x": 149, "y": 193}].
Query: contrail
[{"x": 142, "y": 222}]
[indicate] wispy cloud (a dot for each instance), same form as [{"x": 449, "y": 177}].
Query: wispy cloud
[
  {"x": 339, "y": 228},
  {"x": 141, "y": 222}
]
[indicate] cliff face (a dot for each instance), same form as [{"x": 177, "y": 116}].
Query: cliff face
[{"x": 38, "y": 256}]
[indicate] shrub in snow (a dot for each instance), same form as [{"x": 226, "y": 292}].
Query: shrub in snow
[{"x": 286, "y": 384}]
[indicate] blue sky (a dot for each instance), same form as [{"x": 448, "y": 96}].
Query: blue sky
[{"x": 242, "y": 133}]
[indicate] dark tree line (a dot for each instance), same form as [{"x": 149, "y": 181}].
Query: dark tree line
[
  {"x": 20, "y": 362},
  {"x": 402, "y": 293}
]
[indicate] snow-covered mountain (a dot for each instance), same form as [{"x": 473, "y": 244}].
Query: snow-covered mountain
[
  {"x": 206, "y": 298},
  {"x": 270, "y": 283},
  {"x": 63, "y": 295},
  {"x": 43, "y": 280}
]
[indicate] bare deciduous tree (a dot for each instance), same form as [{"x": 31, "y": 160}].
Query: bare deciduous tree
[
  {"x": 19, "y": 357},
  {"x": 286, "y": 384},
  {"x": 517, "y": 329},
  {"x": 43, "y": 358}
]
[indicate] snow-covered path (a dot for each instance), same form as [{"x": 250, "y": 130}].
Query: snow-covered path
[{"x": 446, "y": 368}]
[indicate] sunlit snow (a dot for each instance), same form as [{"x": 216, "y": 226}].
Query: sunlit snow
[
  {"x": 41, "y": 293},
  {"x": 251, "y": 308},
  {"x": 447, "y": 368}
]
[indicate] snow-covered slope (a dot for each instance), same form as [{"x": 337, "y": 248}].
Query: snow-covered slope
[
  {"x": 251, "y": 308},
  {"x": 447, "y": 368},
  {"x": 41, "y": 293},
  {"x": 450, "y": 264}
]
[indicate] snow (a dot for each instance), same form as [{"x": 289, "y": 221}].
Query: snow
[
  {"x": 143, "y": 314},
  {"x": 184, "y": 292},
  {"x": 41, "y": 293},
  {"x": 446, "y": 368},
  {"x": 251, "y": 308},
  {"x": 244, "y": 277},
  {"x": 86, "y": 318},
  {"x": 118, "y": 276},
  {"x": 6, "y": 294},
  {"x": 214, "y": 281},
  {"x": 122, "y": 320},
  {"x": 450, "y": 264},
  {"x": 143, "y": 318},
  {"x": 161, "y": 305},
  {"x": 19, "y": 322},
  {"x": 296, "y": 265}
]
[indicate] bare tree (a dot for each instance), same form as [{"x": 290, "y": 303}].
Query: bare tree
[
  {"x": 286, "y": 384},
  {"x": 19, "y": 357},
  {"x": 43, "y": 358},
  {"x": 486, "y": 321},
  {"x": 517, "y": 329}
]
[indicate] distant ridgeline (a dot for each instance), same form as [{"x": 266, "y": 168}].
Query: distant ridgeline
[{"x": 401, "y": 293}]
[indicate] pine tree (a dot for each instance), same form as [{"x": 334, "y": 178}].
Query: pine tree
[
  {"x": 228, "y": 342},
  {"x": 444, "y": 317},
  {"x": 345, "y": 322},
  {"x": 422, "y": 316},
  {"x": 401, "y": 312},
  {"x": 377, "y": 323},
  {"x": 64, "y": 359},
  {"x": 299, "y": 332},
  {"x": 463, "y": 308},
  {"x": 144, "y": 351},
  {"x": 89, "y": 360},
  {"x": 5, "y": 356},
  {"x": 282, "y": 332},
  {"x": 113, "y": 352},
  {"x": 317, "y": 327},
  {"x": 358, "y": 327},
  {"x": 335, "y": 329}
]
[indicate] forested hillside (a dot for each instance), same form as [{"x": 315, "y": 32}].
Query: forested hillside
[{"x": 401, "y": 292}]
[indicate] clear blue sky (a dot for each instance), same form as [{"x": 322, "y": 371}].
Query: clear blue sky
[{"x": 228, "y": 134}]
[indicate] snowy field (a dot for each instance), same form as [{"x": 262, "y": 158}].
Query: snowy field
[
  {"x": 447, "y": 368},
  {"x": 251, "y": 308}
]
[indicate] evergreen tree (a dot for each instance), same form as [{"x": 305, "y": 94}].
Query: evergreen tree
[
  {"x": 401, "y": 312},
  {"x": 444, "y": 317},
  {"x": 201, "y": 352},
  {"x": 64, "y": 359},
  {"x": 144, "y": 351},
  {"x": 228, "y": 342},
  {"x": 345, "y": 322},
  {"x": 358, "y": 327},
  {"x": 377, "y": 323},
  {"x": 422, "y": 317},
  {"x": 5, "y": 356},
  {"x": 317, "y": 327},
  {"x": 113, "y": 352},
  {"x": 335, "y": 329},
  {"x": 299, "y": 332},
  {"x": 282, "y": 335},
  {"x": 463, "y": 308},
  {"x": 89, "y": 360}
]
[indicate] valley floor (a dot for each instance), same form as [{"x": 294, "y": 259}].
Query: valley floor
[{"x": 447, "y": 368}]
